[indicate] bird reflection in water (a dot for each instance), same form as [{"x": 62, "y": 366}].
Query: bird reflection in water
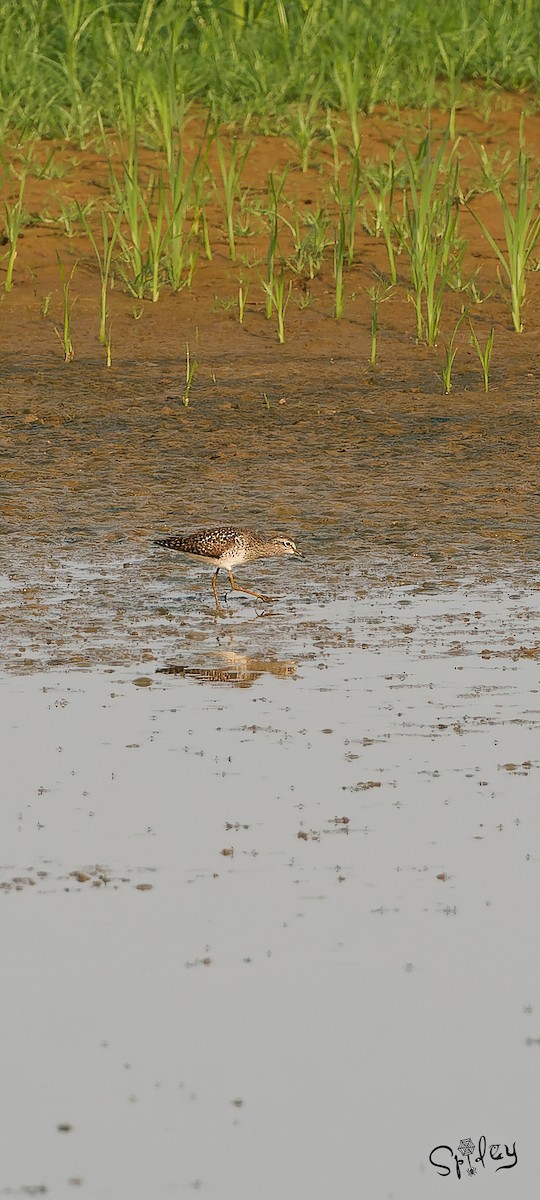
[{"x": 238, "y": 669}]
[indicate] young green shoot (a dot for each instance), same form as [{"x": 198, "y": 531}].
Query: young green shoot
[
  {"x": 65, "y": 336},
  {"x": 242, "y": 300},
  {"x": 374, "y": 327},
  {"x": 191, "y": 371},
  {"x": 278, "y": 295},
  {"x": 200, "y": 220},
  {"x": 339, "y": 256},
  {"x": 450, "y": 351},
  {"x": 330, "y": 130},
  {"x": 304, "y": 128},
  {"x": 485, "y": 354},
  {"x": 381, "y": 194},
  {"x": 378, "y": 295},
  {"x": 352, "y": 197},
  {"x": 69, "y": 215},
  {"x": 14, "y": 220}
]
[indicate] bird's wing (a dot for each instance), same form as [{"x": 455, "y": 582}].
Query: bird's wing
[{"x": 207, "y": 543}]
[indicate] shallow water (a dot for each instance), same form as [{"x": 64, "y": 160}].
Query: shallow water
[{"x": 272, "y": 883}]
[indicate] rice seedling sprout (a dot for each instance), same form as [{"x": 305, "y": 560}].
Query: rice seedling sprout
[
  {"x": 278, "y": 296},
  {"x": 485, "y": 354},
  {"x": 65, "y": 336}
]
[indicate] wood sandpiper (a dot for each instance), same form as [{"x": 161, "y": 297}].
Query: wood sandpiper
[{"x": 227, "y": 547}]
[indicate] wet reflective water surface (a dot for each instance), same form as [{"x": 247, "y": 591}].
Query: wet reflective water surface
[{"x": 270, "y": 880}]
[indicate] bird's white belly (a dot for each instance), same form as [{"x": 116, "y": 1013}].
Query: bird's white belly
[{"x": 232, "y": 559}]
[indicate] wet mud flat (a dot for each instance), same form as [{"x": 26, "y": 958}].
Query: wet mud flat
[{"x": 377, "y": 486}]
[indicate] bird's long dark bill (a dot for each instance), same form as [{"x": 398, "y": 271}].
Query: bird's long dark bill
[{"x": 297, "y": 554}]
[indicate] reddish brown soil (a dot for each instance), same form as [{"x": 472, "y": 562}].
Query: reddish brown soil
[{"x": 201, "y": 315}]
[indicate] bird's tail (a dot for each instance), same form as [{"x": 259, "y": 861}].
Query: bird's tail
[{"x": 170, "y": 543}]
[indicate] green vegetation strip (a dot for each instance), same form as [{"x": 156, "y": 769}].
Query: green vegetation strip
[{"x": 66, "y": 65}]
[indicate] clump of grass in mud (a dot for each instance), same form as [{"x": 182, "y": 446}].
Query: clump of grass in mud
[
  {"x": 485, "y": 354},
  {"x": 104, "y": 259},
  {"x": 521, "y": 232},
  {"x": 68, "y": 215},
  {"x": 275, "y": 192},
  {"x": 450, "y": 351},
  {"x": 380, "y": 183},
  {"x": 146, "y": 212},
  {"x": 304, "y": 128},
  {"x": 65, "y": 336},
  {"x": 231, "y": 172},
  {"x": 130, "y": 198},
  {"x": 143, "y": 261},
  {"x": 157, "y": 235},
  {"x": 428, "y": 233},
  {"x": 309, "y": 241},
  {"x": 43, "y": 170},
  {"x": 347, "y": 200},
  {"x": 185, "y": 187},
  {"x": 278, "y": 295}
]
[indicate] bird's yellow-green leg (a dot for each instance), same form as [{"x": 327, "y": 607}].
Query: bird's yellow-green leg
[
  {"x": 248, "y": 592},
  {"x": 214, "y": 586}
]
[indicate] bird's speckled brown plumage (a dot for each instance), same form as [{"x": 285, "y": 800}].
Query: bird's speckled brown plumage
[{"x": 210, "y": 544}]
